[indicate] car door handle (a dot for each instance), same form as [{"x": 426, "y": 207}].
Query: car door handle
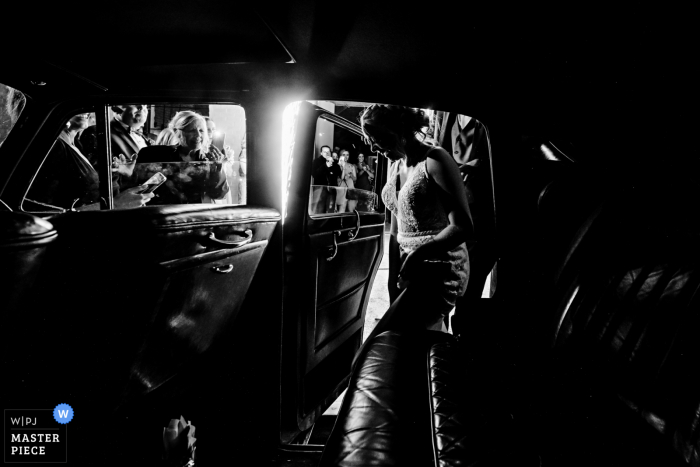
[
  {"x": 223, "y": 269},
  {"x": 333, "y": 250},
  {"x": 228, "y": 244},
  {"x": 352, "y": 235}
]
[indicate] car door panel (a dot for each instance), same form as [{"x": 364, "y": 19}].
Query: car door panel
[
  {"x": 330, "y": 264},
  {"x": 341, "y": 283},
  {"x": 134, "y": 297},
  {"x": 200, "y": 297}
]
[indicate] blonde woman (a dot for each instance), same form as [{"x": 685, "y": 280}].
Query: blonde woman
[
  {"x": 196, "y": 183},
  {"x": 167, "y": 138}
]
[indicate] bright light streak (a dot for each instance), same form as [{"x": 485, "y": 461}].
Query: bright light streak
[
  {"x": 548, "y": 154},
  {"x": 566, "y": 309},
  {"x": 289, "y": 123}
]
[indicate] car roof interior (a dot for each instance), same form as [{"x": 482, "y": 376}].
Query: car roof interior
[{"x": 528, "y": 59}]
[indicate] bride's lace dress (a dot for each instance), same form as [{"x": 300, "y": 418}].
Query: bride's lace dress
[{"x": 421, "y": 216}]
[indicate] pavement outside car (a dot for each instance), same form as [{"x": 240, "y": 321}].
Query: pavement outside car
[{"x": 379, "y": 296}]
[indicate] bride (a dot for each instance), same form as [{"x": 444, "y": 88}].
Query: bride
[{"x": 429, "y": 207}]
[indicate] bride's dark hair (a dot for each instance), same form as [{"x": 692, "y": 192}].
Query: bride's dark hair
[{"x": 406, "y": 122}]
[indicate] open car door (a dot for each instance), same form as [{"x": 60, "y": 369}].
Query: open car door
[{"x": 331, "y": 259}]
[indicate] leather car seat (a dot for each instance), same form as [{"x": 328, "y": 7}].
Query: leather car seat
[{"x": 620, "y": 386}]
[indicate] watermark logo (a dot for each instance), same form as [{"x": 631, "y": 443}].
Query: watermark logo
[
  {"x": 63, "y": 413},
  {"x": 37, "y": 435}
]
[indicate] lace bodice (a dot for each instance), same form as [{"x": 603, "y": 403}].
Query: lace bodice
[
  {"x": 421, "y": 216},
  {"x": 417, "y": 207}
]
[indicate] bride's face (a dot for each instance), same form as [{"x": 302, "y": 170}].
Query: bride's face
[{"x": 388, "y": 144}]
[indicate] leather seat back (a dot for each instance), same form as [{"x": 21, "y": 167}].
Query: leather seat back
[{"x": 626, "y": 330}]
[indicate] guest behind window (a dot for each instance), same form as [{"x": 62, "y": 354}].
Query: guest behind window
[
  {"x": 227, "y": 152},
  {"x": 126, "y": 129},
  {"x": 365, "y": 176},
  {"x": 127, "y": 139},
  {"x": 68, "y": 180},
  {"x": 167, "y": 138},
  {"x": 235, "y": 173},
  {"x": 196, "y": 183},
  {"x": 325, "y": 172},
  {"x": 242, "y": 171},
  {"x": 347, "y": 182}
]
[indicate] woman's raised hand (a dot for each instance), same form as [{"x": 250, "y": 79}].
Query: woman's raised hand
[
  {"x": 215, "y": 154},
  {"x": 132, "y": 198},
  {"x": 123, "y": 166}
]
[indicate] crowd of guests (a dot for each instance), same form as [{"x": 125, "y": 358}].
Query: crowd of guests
[
  {"x": 337, "y": 174},
  {"x": 69, "y": 180}
]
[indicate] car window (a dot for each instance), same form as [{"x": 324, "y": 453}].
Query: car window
[
  {"x": 68, "y": 178},
  {"x": 11, "y": 105},
  {"x": 199, "y": 149},
  {"x": 343, "y": 170},
  {"x": 182, "y": 154}
]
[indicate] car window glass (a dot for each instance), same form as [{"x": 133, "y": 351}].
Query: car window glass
[
  {"x": 343, "y": 170},
  {"x": 199, "y": 149},
  {"x": 68, "y": 179},
  {"x": 11, "y": 105},
  {"x": 183, "y": 154}
]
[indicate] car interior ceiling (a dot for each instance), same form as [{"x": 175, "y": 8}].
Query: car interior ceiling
[{"x": 243, "y": 311}]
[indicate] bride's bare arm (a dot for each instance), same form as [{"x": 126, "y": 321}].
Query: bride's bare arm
[
  {"x": 443, "y": 170},
  {"x": 445, "y": 173}
]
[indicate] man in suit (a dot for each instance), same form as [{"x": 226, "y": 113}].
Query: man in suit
[
  {"x": 466, "y": 139},
  {"x": 127, "y": 139},
  {"x": 325, "y": 171},
  {"x": 127, "y": 130}
]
